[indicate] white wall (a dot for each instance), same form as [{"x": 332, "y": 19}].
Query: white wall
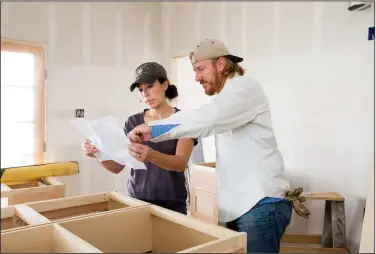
[
  {"x": 316, "y": 66},
  {"x": 92, "y": 51}
]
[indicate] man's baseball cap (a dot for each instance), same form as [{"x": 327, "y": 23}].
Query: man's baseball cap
[
  {"x": 212, "y": 48},
  {"x": 148, "y": 73}
]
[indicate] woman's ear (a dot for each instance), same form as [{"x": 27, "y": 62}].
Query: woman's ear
[{"x": 165, "y": 85}]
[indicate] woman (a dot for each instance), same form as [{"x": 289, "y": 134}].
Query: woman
[{"x": 163, "y": 183}]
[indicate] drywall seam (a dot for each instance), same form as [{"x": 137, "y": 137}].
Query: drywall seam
[
  {"x": 222, "y": 22},
  {"x": 52, "y": 32},
  {"x": 244, "y": 28},
  {"x": 147, "y": 31},
  {"x": 276, "y": 28},
  {"x": 166, "y": 34},
  {"x": 318, "y": 10},
  {"x": 4, "y": 17},
  {"x": 86, "y": 32},
  {"x": 119, "y": 38},
  {"x": 198, "y": 22}
]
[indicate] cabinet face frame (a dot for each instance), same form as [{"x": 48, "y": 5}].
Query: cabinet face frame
[
  {"x": 45, "y": 189},
  {"x": 58, "y": 210},
  {"x": 157, "y": 227}
]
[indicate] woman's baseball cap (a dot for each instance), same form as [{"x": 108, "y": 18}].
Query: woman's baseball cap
[{"x": 148, "y": 73}]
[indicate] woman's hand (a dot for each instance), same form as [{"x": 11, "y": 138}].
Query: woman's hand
[
  {"x": 88, "y": 149},
  {"x": 141, "y": 152},
  {"x": 140, "y": 133}
]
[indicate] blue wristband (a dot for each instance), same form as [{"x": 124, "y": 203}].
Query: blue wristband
[{"x": 158, "y": 130}]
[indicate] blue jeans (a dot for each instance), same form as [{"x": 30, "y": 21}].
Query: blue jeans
[{"x": 265, "y": 225}]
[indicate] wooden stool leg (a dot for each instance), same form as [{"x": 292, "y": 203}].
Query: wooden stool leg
[
  {"x": 338, "y": 224},
  {"x": 334, "y": 233},
  {"x": 327, "y": 237}
]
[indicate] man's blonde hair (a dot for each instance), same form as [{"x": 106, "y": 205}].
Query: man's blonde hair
[{"x": 231, "y": 68}]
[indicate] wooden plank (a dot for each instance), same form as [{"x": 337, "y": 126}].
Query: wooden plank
[
  {"x": 191, "y": 222},
  {"x": 301, "y": 239},
  {"x": 236, "y": 250},
  {"x": 72, "y": 212},
  {"x": 4, "y": 202},
  {"x": 306, "y": 249},
  {"x": 338, "y": 224},
  {"x": 129, "y": 201},
  {"x": 329, "y": 196},
  {"x": 7, "y": 212},
  {"x": 232, "y": 244},
  {"x": 67, "y": 202},
  {"x": 20, "y": 196},
  {"x": 5, "y": 187},
  {"x": 66, "y": 242},
  {"x": 29, "y": 216},
  {"x": 50, "y": 180},
  {"x": 24, "y": 185},
  {"x": 208, "y": 164}
]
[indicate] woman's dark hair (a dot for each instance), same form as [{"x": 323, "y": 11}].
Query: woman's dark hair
[{"x": 172, "y": 91}]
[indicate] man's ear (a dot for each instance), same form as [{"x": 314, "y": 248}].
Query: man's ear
[{"x": 221, "y": 62}]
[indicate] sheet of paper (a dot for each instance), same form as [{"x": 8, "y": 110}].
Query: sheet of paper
[{"x": 108, "y": 137}]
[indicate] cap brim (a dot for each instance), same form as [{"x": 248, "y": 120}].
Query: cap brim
[
  {"x": 145, "y": 79},
  {"x": 235, "y": 59}
]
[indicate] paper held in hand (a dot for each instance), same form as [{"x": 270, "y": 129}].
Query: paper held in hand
[{"x": 108, "y": 137}]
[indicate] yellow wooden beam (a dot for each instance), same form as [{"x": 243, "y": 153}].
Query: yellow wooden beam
[{"x": 36, "y": 172}]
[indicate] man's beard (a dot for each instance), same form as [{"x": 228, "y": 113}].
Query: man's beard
[{"x": 212, "y": 89}]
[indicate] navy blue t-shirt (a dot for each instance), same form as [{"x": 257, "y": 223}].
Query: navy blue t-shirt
[{"x": 156, "y": 185}]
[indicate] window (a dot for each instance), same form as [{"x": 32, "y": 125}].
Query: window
[{"x": 22, "y": 104}]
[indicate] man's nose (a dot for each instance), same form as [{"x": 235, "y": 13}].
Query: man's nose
[{"x": 198, "y": 78}]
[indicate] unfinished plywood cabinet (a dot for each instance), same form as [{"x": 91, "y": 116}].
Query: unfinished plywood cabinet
[
  {"x": 44, "y": 189},
  {"x": 204, "y": 207},
  {"x": 42, "y": 212},
  {"x": 203, "y": 190},
  {"x": 141, "y": 229}
]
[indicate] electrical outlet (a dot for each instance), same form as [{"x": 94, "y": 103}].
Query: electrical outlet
[{"x": 80, "y": 112}]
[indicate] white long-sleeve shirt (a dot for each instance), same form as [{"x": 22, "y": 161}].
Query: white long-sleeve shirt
[{"x": 249, "y": 166}]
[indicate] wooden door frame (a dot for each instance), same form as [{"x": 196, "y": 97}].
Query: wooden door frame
[{"x": 38, "y": 50}]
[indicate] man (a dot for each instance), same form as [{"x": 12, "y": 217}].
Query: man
[{"x": 251, "y": 184}]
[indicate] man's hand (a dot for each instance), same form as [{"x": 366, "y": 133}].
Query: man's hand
[
  {"x": 140, "y": 133},
  {"x": 141, "y": 152}
]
